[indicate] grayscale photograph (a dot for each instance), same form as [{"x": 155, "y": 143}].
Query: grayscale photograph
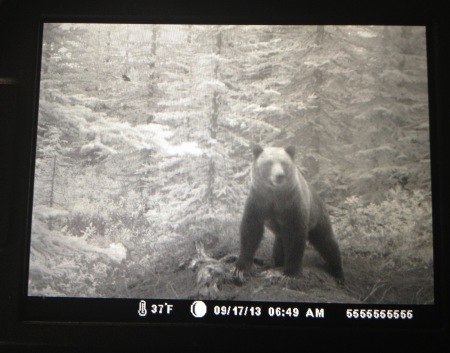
[{"x": 233, "y": 162}]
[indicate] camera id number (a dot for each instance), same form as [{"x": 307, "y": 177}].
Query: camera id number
[{"x": 383, "y": 314}]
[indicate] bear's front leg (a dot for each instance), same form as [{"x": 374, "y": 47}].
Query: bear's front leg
[
  {"x": 294, "y": 243},
  {"x": 278, "y": 252},
  {"x": 252, "y": 230}
]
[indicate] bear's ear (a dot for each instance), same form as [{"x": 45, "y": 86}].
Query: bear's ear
[
  {"x": 290, "y": 150},
  {"x": 257, "y": 150}
]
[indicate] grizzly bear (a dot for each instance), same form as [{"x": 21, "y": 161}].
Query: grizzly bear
[{"x": 281, "y": 199}]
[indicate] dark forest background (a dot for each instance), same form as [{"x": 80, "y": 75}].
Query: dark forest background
[{"x": 144, "y": 148}]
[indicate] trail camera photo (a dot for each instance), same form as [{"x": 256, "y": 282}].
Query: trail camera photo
[{"x": 233, "y": 162}]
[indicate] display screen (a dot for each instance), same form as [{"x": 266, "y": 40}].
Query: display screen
[{"x": 232, "y": 172}]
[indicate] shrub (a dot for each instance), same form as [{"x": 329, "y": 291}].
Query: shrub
[{"x": 396, "y": 231}]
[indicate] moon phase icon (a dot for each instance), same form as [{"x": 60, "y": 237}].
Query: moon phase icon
[{"x": 198, "y": 309}]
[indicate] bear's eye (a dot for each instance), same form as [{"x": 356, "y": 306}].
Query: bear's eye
[
  {"x": 266, "y": 165},
  {"x": 286, "y": 166}
]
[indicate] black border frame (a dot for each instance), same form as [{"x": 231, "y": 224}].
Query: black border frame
[{"x": 20, "y": 24}]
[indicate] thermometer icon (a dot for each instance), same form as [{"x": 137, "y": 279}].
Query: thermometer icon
[{"x": 142, "y": 308}]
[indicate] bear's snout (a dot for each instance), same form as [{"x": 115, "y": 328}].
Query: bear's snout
[
  {"x": 279, "y": 179},
  {"x": 278, "y": 176}
]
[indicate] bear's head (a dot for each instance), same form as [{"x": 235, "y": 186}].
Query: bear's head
[{"x": 273, "y": 167}]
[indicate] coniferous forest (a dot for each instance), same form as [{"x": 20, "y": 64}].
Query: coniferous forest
[{"x": 144, "y": 151}]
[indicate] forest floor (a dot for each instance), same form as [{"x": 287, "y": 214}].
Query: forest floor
[{"x": 364, "y": 283}]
